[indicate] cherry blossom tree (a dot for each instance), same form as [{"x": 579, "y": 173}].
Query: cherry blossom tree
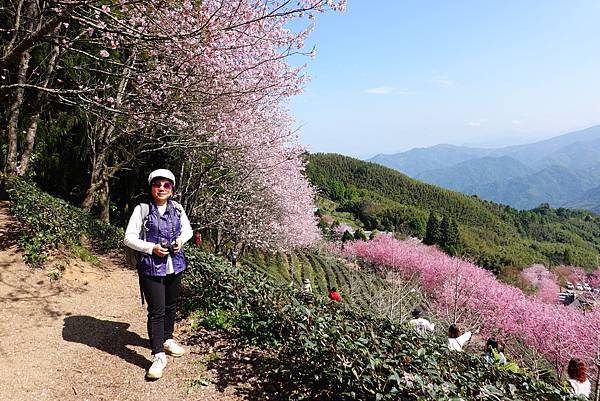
[
  {"x": 471, "y": 296},
  {"x": 544, "y": 281},
  {"x": 209, "y": 79}
]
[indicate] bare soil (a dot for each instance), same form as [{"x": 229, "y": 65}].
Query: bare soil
[{"x": 83, "y": 337}]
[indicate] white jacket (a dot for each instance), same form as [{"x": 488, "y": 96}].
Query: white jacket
[
  {"x": 456, "y": 344},
  {"x": 421, "y": 325},
  {"x": 581, "y": 388}
]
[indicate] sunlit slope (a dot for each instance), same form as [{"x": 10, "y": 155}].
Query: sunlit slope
[{"x": 494, "y": 235}]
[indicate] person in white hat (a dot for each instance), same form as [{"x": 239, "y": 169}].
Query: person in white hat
[
  {"x": 306, "y": 287},
  {"x": 157, "y": 231}
]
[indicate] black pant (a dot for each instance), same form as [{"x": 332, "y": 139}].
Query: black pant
[{"x": 161, "y": 295}]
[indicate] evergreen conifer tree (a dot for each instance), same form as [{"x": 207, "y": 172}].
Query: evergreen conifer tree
[
  {"x": 449, "y": 236},
  {"x": 444, "y": 231},
  {"x": 347, "y": 236},
  {"x": 359, "y": 234},
  {"x": 432, "y": 232}
]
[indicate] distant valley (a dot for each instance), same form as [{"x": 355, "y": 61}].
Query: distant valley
[{"x": 563, "y": 171}]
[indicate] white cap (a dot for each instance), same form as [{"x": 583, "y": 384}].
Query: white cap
[{"x": 161, "y": 173}]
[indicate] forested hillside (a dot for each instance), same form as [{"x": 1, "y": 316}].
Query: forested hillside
[
  {"x": 482, "y": 170},
  {"x": 494, "y": 235}
]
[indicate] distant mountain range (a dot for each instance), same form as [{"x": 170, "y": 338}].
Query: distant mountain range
[
  {"x": 563, "y": 171},
  {"x": 590, "y": 200}
]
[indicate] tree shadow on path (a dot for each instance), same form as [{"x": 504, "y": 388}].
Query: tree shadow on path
[
  {"x": 105, "y": 335},
  {"x": 10, "y": 229},
  {"x": 237, "y": 366}
]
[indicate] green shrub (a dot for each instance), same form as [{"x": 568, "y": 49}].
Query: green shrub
[
  {"x": 214, "y": 319},
  {"x": 50, "y": 223},
  {"x": 54, "y": 275},
  {"x": 359, "y": 234}
]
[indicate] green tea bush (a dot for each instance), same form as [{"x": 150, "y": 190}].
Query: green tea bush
[
  {"x": 326, "y": 350},
  {"x": 52, "y": 223}
]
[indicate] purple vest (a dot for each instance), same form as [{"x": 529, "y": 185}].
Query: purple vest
[{"x": 162, "y": 230}]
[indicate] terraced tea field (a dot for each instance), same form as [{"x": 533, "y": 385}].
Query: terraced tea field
[{"x": 355, "y": 285}]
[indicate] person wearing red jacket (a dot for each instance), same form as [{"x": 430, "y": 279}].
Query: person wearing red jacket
[{"x": 334, "y": 295}]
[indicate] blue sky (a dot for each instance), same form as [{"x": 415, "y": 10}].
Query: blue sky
[{"x": 393, "y": 75}]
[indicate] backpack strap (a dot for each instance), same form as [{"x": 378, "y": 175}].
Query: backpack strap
[
  {"x": 178, "y": 211},
  {"x": 178, "y": 208},
  {"x": 145, "y": 211}
]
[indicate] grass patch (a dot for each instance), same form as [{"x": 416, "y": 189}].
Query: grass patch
[{"x": 84, "y": 254}]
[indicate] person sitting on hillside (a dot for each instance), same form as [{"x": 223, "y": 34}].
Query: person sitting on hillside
[
  {"x": 494, "y": 352},
  {"x": 334, "y": 295},
  {"x": 580, "y": 384},
  {"x": 419, "y": 323},
  {"x": 306, "y": 287},
  {"x": 456, "y": 339}
]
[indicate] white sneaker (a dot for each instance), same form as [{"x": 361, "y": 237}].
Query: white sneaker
[
  {"x": 158, "y": 365},
  {"x": 172, "y": 348}
]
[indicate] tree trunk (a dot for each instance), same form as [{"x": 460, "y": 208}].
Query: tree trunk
[
  {"x": 13, "y": 122},
  {"x": 35, "y": 119},
  {"x": 218, "y": 241},
  {"x": 597, "y": 389},
  {"x": 29, "y": 144},
  {"x": 104, "y": 203},
  {"x": 33, "y": 39},
  {"x": 95, "y": 182},
  {"x": 98, "y": 191}
]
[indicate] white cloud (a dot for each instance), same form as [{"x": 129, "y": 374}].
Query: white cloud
[
  {"x": 380, "y": 90},
  {"x": 477, "y": 123},
  {"x": 516, "y": 122},
  {"x": 444, "y": 82}
]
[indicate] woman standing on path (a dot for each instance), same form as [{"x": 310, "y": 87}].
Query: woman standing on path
[{"x": 158, "y": 231}]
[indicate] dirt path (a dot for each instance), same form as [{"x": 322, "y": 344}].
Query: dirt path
[{"x": 83, "y": 337}]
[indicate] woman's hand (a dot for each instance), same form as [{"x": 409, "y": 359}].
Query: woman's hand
[
  {"x": 177, "y": 245},
  {"x": 160, "y": 251}
]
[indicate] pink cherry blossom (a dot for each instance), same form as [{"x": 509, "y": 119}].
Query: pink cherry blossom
[
  {"x": 544, "y": 282},
  {"x": 472, "y": 296}
]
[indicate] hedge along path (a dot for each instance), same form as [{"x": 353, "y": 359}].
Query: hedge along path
[{"x": 83, "y": 337}]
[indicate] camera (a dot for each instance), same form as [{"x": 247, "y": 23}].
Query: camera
[
  {"x": 169, "y": 247},
  {"x": 171, "y": 250}
]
